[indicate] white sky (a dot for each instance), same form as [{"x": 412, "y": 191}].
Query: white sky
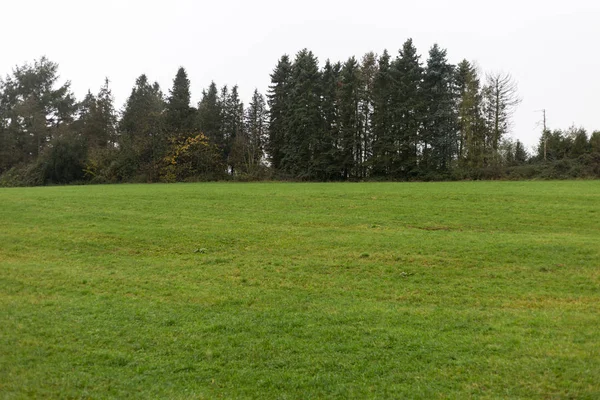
[{"x": 550, "y": 47}]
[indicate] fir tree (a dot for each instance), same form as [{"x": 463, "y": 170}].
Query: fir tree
[
  {"x": 210, "y": 116},
  {"x": 305, "y": 123},
  {"x": 349, "y": 96},
  {"x": 381, "y": 119},
  {"x": 179, "y": 114},
  {"x": 438, "y": 138},
  {"x": 368, "y": 71},
  {"x": 470, "y": 119},
  {"x": 142, "y": 127},
  {"x": 407, "y": 111},
  {"x": 279, "y": 99},
  {"x": 325, "y": 160}
]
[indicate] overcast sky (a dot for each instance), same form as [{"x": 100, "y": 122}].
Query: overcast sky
[{"x": 550, "y": 47}]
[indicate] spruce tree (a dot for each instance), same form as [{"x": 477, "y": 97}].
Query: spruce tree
[
  {"x": 248, "y": 146},
  {"x": 326, "y": 160},
  {"x": 349, "y": 96},
  {"x": 368, "y": 72},
  {"x": 381, "y": 119},
  {"x": 142, "y": 127},
  {"x": 305, "y": 123},
  {"x": 438, "y": 139},
  {"x": 521, "y": 155},
  {"x": 34, "y": 109},
  {"x": 209, "y": 118},
  {"x": 97, "y": 120},
  {"x": 471, "y": 123},
  {"x": 179, "y": 114},
  {"x": 233, "y": 123},
  {"x": 407, "y": 111},
  {"x": 279, "y": 99}
]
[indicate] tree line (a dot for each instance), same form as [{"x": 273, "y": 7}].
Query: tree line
[{"x": 376, "y": 118}]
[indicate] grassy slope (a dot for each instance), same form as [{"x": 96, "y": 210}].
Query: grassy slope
[{"x": 488, "y": 289}]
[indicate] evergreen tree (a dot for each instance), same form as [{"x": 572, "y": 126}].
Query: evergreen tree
[
  {"x": 381, "y": 119},
  {"x": 325, "y": 161},
  {"x": 33, "y": 108},
  {"x": 305, "y": 124},
  {"x": 471, "y": 124},
  {"x": 210, "y": 116},
  {"x": 349, "y": 96},
  {"x": 438, "y": 137},
  {"x": 595, "y": 142},
  {"x": 580, "y": 142},
  {"x": 248, "y": 146},
  {"x": 368, "y": 72},
  {"x": 97, "y": 119},
  {"x": 407, "y": 111},
  {"x": 232, "y": 122},
  {"x": 521, "y": 155},
  {"x": 179, "y": 114},
  {"x": 279, "y": 99},
  {"x": 142, "y": 127}
]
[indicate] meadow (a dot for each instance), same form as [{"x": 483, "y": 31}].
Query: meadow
[{"x": 299, "y": 291}]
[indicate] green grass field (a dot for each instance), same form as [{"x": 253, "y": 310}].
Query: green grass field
[{"x": 299, "y": 291}]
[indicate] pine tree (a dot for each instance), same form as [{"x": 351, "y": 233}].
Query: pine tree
[
  {"x": 232, "y": 122},
  {"x": 97, "y": 120},
  {"x": 34, "y": 109},
  {"x": 407, "y": 75},
  {"x": 279, "y": 98},
  {"x": 179, "y": 114},
  {"x": 142, "y": 127},
  {"x": 326, "y": 159},
  {"x": 349, "y": 96},
  {"x": 521, "y": 155},
  {"x": 438, "y": 138},
  {"x": 595, "y": 142},
  {"x": 368, "y": 72},
  {"x": 209, "y": 118},
  {"x": 305, "y": 123},
  {"x": 471, "y": 124},
  {"x": 381, "y": 119},
  {"x": 248, "y": 146}
]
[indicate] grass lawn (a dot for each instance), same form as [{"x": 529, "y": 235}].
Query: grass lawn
[{"x": 300, "y": 291}]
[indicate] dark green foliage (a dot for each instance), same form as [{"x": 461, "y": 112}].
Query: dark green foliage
[
  {"x": 521, "y": 155},
  {"x": 438, "y": 140},
  {"x": 471, "y": 125},
  {"x": 325, "y": 164},
  {"x": 210, "y": 116},
  {"x": 368, "y": 72},
  {"x": 279, "y": 99},
  {"x": 305, "y": 120},
  {"x": 407, "y": 111},
  {"x": 350, "y": 121},
  {"x": 595, "y": 142},
  {"x": 249, "y": 144},
  {"x": 143, "y": 129},
  {"x": 368, "y": 119},
  {"x": 32, "y": 109},
  {"x": 381, "y": 119},
  {"x": 63, "y": 161},
  {"x": 97, "y": 119},
  {"x": 232, "y": 125},
  {"x": 179, "y": 116}
]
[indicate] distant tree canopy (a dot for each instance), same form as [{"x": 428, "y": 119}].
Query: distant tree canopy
[{"x": 386, "y": 117}]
